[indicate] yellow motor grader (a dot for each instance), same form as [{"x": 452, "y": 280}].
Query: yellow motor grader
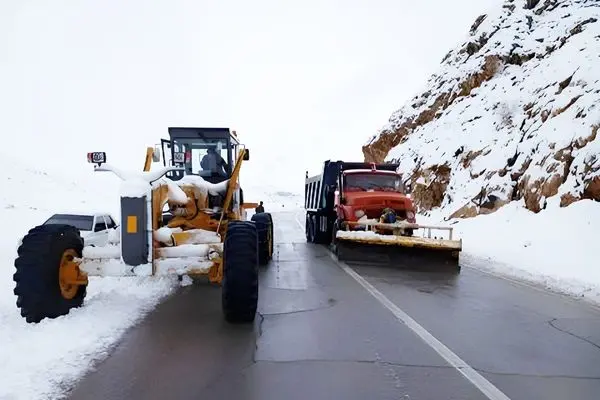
[{"x": 187, "y": 217}]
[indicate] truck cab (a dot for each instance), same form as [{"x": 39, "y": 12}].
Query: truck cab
[
  {"x": 366, "y": 193},
  {"x": 352, "y": 191}
]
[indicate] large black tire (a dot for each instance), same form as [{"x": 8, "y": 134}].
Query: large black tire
[
  {"x": 321, "y": 237},
  {"x": 311, "y": 229},
  {"x": 272, "y": 243},
  {"x": 307, "y": 228},
  {"x": 334, "y": 241},
  {"x": 37, "y": 276},
  {"x": 264, "y": 227},
  {"x": 240, "y": 272}
]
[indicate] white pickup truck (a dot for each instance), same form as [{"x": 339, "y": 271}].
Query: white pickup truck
[{"x": 94, "y": 227}]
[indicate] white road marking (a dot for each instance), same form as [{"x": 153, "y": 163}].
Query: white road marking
[
  {"x": 485, "y": 386},
  {"x": 298, "y": 222}
]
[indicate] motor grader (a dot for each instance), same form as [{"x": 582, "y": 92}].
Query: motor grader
[{"x": 186, "y": 217}]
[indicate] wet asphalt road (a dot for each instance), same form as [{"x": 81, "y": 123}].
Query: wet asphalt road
[{"x": 321, "y": 335}]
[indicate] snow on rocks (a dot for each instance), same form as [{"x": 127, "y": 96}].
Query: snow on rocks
[
  {"x": 507, "y": 131},
  {"x": 512, "y": 114}
]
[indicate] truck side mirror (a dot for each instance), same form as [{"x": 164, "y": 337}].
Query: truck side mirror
[{"x": 246, "y": 155}]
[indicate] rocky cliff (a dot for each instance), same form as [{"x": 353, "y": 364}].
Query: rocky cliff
[{"x": 512, "y": 114}]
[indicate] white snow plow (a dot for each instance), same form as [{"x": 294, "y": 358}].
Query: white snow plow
[{"x": 399, "y": 242}]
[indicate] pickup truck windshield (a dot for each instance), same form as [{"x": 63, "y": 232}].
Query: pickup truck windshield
[
  {"x": 373, "y": 181},
  {"x": 81, "y": 222}
]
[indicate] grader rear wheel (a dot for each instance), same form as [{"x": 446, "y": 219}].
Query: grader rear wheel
[
  {"x": 48, "y": 281},
  {"x": 240, "y": 272},
  {"x": 264, "y": 226}
]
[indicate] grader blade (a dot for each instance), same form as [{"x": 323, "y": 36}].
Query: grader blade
[{"x": 398, "y": 256}]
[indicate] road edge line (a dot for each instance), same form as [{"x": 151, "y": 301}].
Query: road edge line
[{"x": 480, "y": 382}]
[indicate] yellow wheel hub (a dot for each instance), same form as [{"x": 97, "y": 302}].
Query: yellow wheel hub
[{"x": 69, "y": 275}]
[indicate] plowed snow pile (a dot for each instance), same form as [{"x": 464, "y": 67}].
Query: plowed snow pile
[
  {"x": 59, "y": 351},
  {"x": 508, "y": 127}
]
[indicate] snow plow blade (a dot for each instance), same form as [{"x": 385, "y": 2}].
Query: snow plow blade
[{"x": 410, "y": 252}]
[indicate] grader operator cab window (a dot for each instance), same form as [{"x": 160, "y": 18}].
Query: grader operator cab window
[
  {"x": 207, "y": 152},
  {"x": 210, "y": 158}
]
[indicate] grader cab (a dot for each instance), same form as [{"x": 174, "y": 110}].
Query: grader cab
[{"x": 187, "y": 217}]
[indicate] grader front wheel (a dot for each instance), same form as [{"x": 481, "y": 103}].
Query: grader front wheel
[
  {"x": 240, "y": 272},
  {"x": 48, "y": 281}
]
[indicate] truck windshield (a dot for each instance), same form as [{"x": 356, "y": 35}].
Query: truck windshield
[
  {"x": 373, "y": 181},
  {"x": 81, "y": 222}
]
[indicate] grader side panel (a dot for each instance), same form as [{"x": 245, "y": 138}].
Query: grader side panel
[{"x": 134, "y": 234}]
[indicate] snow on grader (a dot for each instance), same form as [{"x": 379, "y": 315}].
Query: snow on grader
[
  {"x": 203, "y": 232},
  {"x": 363, "y": 212}
]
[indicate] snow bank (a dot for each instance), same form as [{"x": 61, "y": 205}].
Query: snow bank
[
  {"x": 555, "y": 248},
  {"x": 43, "y": 360}
]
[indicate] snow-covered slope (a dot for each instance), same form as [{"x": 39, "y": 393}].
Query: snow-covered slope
[
  {"x": 508, "y": 127},
  {"x": 513, "y": 113},
  {"x": 60, "y": 350},
  {"x": 273, "y": 198}
]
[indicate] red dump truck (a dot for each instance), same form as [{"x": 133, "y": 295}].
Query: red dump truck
[{"x": 363, "y": 211}]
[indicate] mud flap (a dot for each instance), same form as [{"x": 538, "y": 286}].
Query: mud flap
[{"x": 397, "y": 256}]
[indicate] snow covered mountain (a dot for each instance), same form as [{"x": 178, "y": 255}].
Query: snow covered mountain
[{"x": 512, "y": 114}]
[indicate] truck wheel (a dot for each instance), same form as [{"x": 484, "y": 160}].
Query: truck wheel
[
  {"x": 322, "y": 237},
  {"x": 306, "y": 229},
  {"x": 310, "y": 229},
  {"x": 264, "y": 227},
  {"x": 44, "y": 256},
  {"x": 334, "y": 240},
  {"x": 239, "y": 294},
  {"x": 272, "y": 241}
]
